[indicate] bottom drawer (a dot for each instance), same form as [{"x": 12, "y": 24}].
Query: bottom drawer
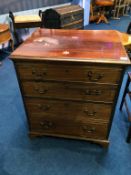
[{"x": 69, "y": 128}]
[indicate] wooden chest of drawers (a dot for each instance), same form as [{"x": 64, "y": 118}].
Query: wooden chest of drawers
[
  {"x": 66, "y": 17},
  {"x": 70, "y": 88}
]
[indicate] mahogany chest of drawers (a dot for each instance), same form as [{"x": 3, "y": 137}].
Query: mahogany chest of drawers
[
  {"x": 70, "y": 82},
  {"x": 65, "y": 17}
]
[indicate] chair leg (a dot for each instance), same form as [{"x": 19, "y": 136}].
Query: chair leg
[
  {"x": 102, "y": 18},
  {"x": 124, "y": 94},
  {"x": 129, "y": 135},
  {"x": 11, "y": 42}
]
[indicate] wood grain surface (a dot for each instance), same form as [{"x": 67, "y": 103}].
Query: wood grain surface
[{"x": 73, "y": 45}]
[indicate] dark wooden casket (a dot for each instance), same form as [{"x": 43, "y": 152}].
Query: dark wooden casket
[{"x": 65, "y": 17}]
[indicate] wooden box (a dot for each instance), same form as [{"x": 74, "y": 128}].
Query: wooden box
[{"x": 66, "y": 17}]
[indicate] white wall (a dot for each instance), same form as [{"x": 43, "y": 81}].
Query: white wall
[{"x": 86, "y": 5}]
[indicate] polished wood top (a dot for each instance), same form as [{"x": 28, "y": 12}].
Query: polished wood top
[{"x": 102, "y": 46}]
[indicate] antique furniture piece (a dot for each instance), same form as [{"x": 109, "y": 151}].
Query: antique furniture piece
[
  {"x": 127, "y": 93},
  {"x": 129, "y": 28},
  {"x": 120, "y": 8},
  {"x": 94, "y": 15},
  {"x": 65, "y": 17},
  {"x": 70, "y": 80},
  {"x": 23, "y": 21},
  {"x": 5, "y": 36},
  {"x": 127, "y": 7},
  {"x": 125, "y": 38},
  {"x": 128, "y": 47},
  {"x": 103, "y": 3}
]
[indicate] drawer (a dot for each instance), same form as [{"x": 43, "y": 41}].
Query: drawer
[
  {"x": 70, "y": 91},
  {"x": 76, "y": 111},
  {"x": 63, "y": 127},
  {"x": 65, "y": 72}
]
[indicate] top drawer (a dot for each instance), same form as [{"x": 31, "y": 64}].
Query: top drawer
[{"x": 63, "y": 72}]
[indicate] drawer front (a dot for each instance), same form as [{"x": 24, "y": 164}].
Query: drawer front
[
  {"x": 69, "y": 110},
  {"x": 63, "y": 72},
  {"x": 70, "y": 91},
  {"x": 71, "y": 17},
  {"x": 68, "y": 128}
]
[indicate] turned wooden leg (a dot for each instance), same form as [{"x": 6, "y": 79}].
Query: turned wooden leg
[
  {"x": 105, "y": 19},
  {"x": 102, "y": 18},
  {"x": 104, "y": 144}
]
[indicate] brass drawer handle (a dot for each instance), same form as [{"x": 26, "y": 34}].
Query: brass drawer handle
[
  {"x": 93, "y": 92},
  {"x": 41, "y": 91},
  {"x": 44, "y": 108},
  {"x": 46, "y": 124},
  {"x": 89, "y": 130},
  {"x": 93, "y": 77},
  {"x": 93, "y": 113}
]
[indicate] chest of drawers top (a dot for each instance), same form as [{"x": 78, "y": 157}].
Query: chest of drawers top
[{"x": 90, "y": 46}]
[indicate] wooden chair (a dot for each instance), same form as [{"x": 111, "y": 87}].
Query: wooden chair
[
  {"x": 94, "y": 15},
  {"x": 102, "y": 4},
  {"x": 24, "y": 21},
  {"x": 128, "y": 48},
  {"x": 129, "y": 28},
  {"x": 5, "y": 37},
  {"x": 127, "y": 92}
]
